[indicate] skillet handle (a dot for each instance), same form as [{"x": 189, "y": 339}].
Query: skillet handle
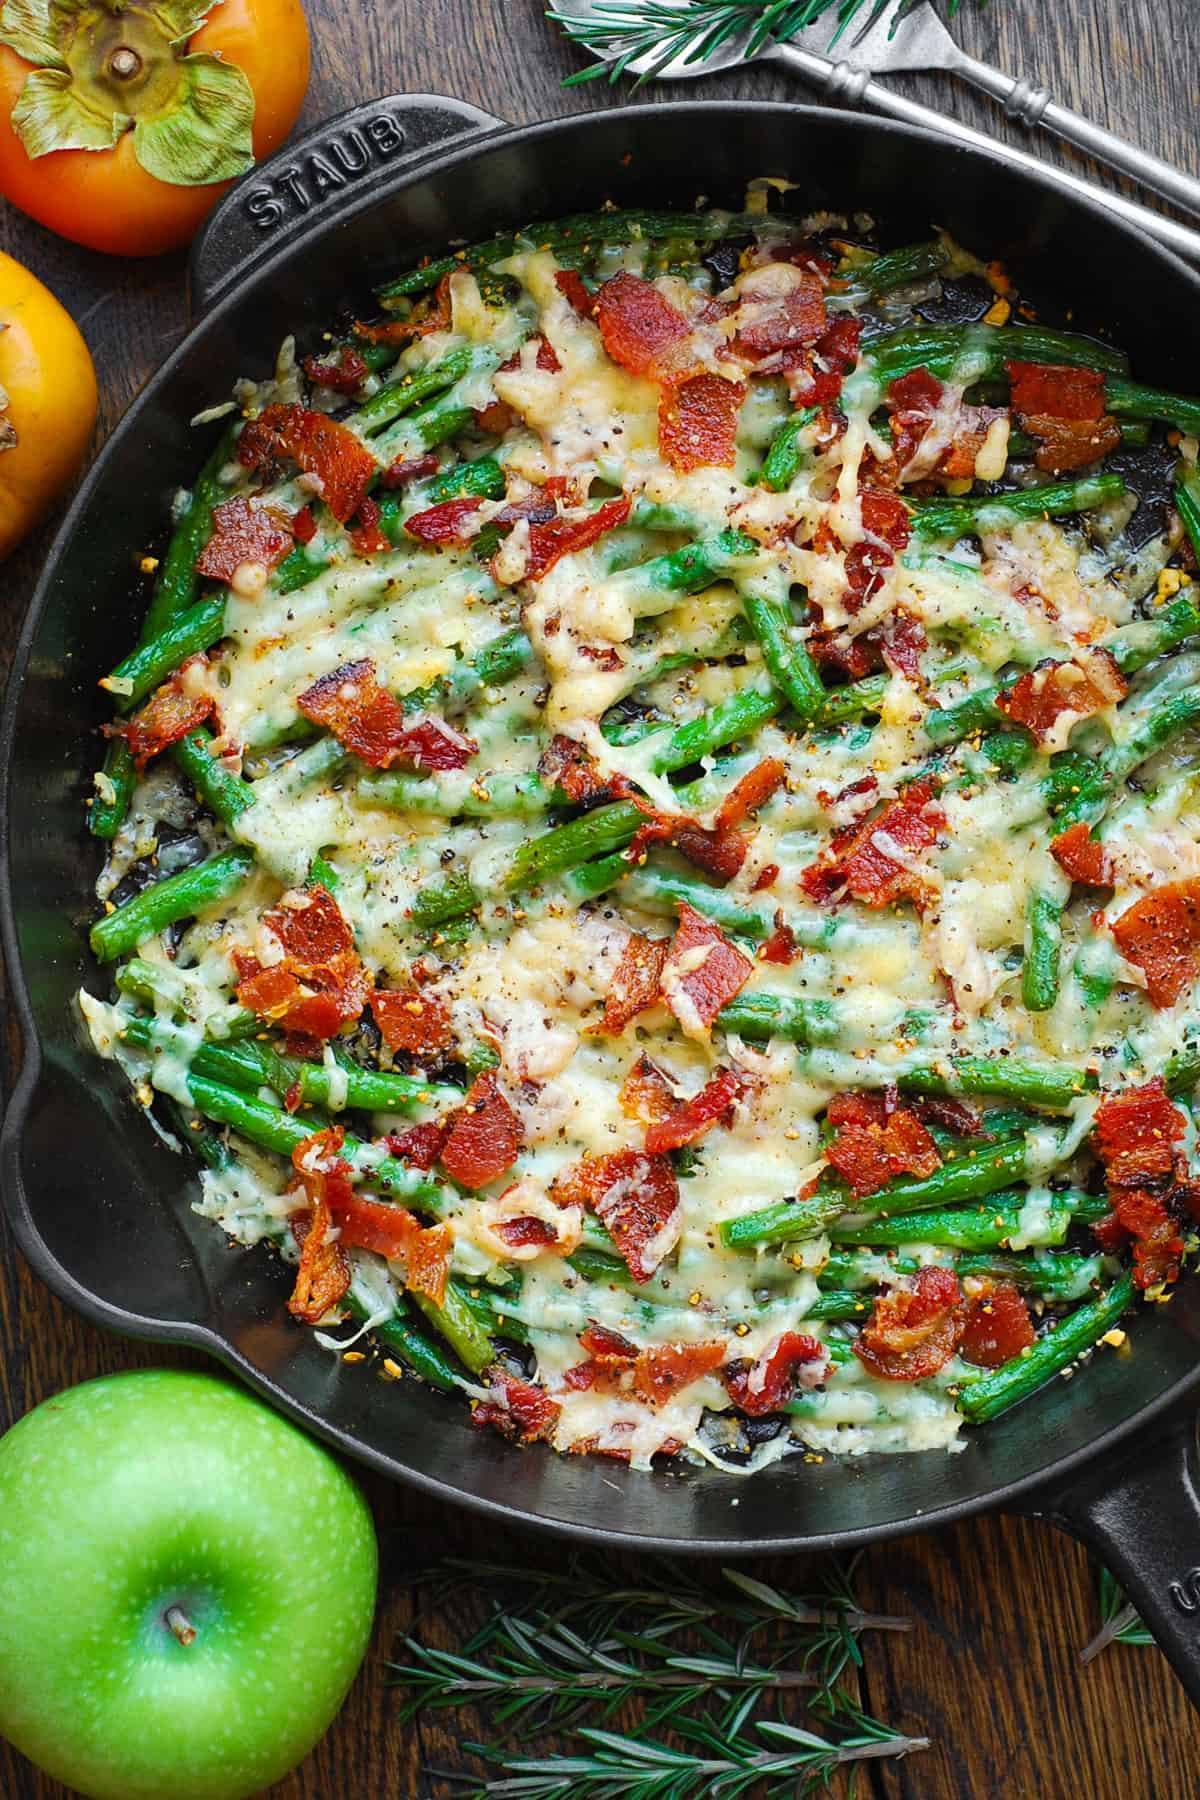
[
  {"x": 318, "y": 174},
  {"x": 1140, "y": 1514}
]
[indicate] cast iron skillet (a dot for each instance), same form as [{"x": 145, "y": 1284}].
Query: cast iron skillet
[{"x": 102, "y": 1209}]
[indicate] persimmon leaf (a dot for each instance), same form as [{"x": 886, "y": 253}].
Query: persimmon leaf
[
  {"x": 49, "y": 115},
  {"x": 205, "y": 134},
  {"x": 26, "y": 27}
]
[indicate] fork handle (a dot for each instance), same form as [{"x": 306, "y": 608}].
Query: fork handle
[
  {"x": 846, "y": 86},
  {"x": 1032, "y": 106}
]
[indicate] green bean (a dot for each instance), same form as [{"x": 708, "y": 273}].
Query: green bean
[
  {"x": 1131, "y": 400},
  {"x": 224, "y": 793},
  {"x": 789, "y": 664},
  {"x": 1187, "y": 502},
  {"x": 1001, "y": 1388},
  {"x": 156, "y": 984},
  {"x": 178, "y": 897},
  {"x": 1182, "y": 1070},
  {"x": 762, "y": 1016},
  {"x": 459, "y": 795},
  {"x": 177, "y": 584},
  {"x": 1031, "y": 1081},
  {"x": 483, "y": 478},
  {"x": 998, "y": 512},
  {"x": 579, "y": 230},
  {"x": 785, "y": 458},
  {"x": 1148, "y": 736},
  {"x": 297, "y": 569},
  {"x": 1062, "y": 1274},
  {"x": 460, "y": 1328},
  {"x": 737, "y": 717},
  {"x": 694, "y": 566},
  {"x": 106, "y": 809},
  {"x": 487, "y": 1305},
  {"x": 376, "y": 356},
  {"x": 1043, "y": 950},
  {"x": 446, "y": 897},
  {"x": 403, "y": 395},
  {"x": 197, "y": 629},
  {"x": 898, "y": 267},
  {"x": 844, "y": 704},
  {"x": 604, "y": 828},
  {"x": 981, "y": 352},
  {"x": 833, "y": 1304},
  {"x": 412, "y": 1347},
  {"x": 491, "y": 665},
  {"x": 972, "y": 1228},
  {"x": 966, "y": 1178},
  {"x": 1131, "y": 649},
  {"x": 255, "y": 1064}
]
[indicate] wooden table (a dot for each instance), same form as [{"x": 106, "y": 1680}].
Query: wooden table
[{"x": 1001, "y": 1607}]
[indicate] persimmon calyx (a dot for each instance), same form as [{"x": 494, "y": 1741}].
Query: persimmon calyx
[{"x": 103, "y": 67}]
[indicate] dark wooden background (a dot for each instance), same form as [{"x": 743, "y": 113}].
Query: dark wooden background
[{"x": 1001, "y": 1607}]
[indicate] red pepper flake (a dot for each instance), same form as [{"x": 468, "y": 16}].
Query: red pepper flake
[
  {"x": 761, "y": 1387},
  {"x": 244, "y": 533},
  {"x": 318, "y": 445},
  {"x": 766, "y": 878},
  {"x": 1160, "y": 934},
  {"x": 485, "y": 1135},
  {"x": 363, "y": 716},
  {"x": 636, "y": 1198},
  {"x": 915, "y": 1329}
]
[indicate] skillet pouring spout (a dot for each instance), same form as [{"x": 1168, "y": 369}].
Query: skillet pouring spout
[{"x": 103, "y": 1209}]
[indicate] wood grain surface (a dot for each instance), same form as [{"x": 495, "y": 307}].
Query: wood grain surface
[{"x": 991, "y": 1670}]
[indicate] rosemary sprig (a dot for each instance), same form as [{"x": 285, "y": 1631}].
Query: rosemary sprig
[
  {"x": 1121, "y": 1622},
  {"x": 720, "y": 1766},
  {"x": 624, "y": 32},
  {"x": 564, "y": 1649}
]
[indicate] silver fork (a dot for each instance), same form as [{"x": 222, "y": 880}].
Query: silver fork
[
  {"x": 847, "y": 84},
  {"x": 919, "y": 40}
]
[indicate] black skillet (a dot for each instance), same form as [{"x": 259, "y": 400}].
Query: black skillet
[{"x": 102, "y": 1209}]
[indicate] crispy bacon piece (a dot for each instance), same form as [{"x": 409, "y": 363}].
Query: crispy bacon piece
[
  {"x": 876, "y": 1140},
  {"x": 780, "y": 308},
  {"x": 319, "y": 446},
  {"x": 1064, "y": 409},
  {"x": 646, "y": 1094},
  {"x": 450, "y": 522},
  {"x": 957, "y": 1116},
  {"x": 753, "y": 790},
  {"x": 1083, "y": 857},
  {"x": 519, "y": 1410},
  {"x": 815, "y": 377},
  {"x": 860, "y": 861},
  {"x": 698, "y": 421},
  {"x": 406, "y": 469},
  {"x": 1135, "y": 1132},
  {"x": 363, "y": 716},
  {"x": 244, "y": 533},
  {"x": 915, "y": 1329},
  {"x": 998, "y": 1327},
  {"x": 484, "y": 1137},
  {"x": 641, "y": 330},
  {"x": 169, "y": 714},
  {"x": 409, "y": 1020},
  {"x": 368, "y": 537},
  {"x": 567, "y": 764},
  {"x": 546, "y": 360},
  {"x": 914, "y": 400},
  {"x": 610, "y": 1364},
  {"x": 560, "y": 537},
  {"x": 427, "y": 1266},
  {"x": 345, "y": 375},
  {"x": 761, "y": 1387},
  {"x": 321, "y": 983},
  {"x": 781, "y": 947},
  {"x": 1160, "y": 933},
  {"x": 719, "y": 853},
  {"x": 1040, "y": 697},
  {"x": 902, "y": 642},
  {"x": 569, "y": 283},
  {"x": 517, "y": 1233},
  {"x": 885, "y": 522},
  {"x": 323, "y": 1276},
  {"x": 421, "y": 1145},
  {"x": 636, "y": 1198},
  {"x": 304, "y": 526},
  {"x": 766, "y": 878},
  {"x": 636, "y": 982},
  {"x": 661, "y": 1373},
  {"x": 689, "y": 1121},
  {"x": 703, "y": 970}
]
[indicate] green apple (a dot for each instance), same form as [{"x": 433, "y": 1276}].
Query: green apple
[{"x": 187, "y": 1584}]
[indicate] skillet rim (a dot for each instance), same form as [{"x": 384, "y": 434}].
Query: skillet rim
[{"x": 202, "y": 1336}]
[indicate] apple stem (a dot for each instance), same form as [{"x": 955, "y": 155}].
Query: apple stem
[{"x": 181, "y": 1625}]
